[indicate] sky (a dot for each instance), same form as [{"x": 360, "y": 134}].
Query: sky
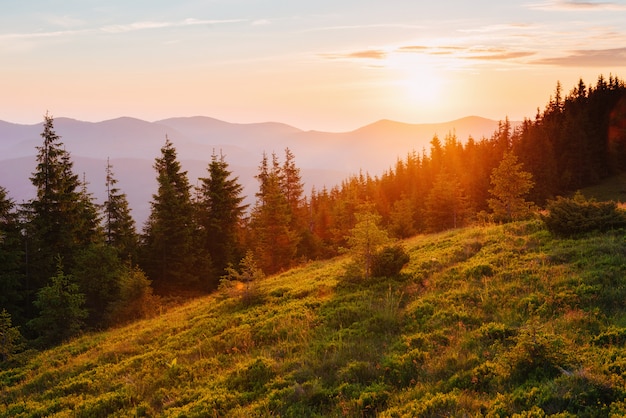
[{"x": 329, "y": 65}]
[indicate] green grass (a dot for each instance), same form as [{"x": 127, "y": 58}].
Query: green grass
[{"x": 491, "y": 321}]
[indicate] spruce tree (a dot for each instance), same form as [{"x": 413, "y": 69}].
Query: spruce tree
[
  {"x": 220, "y": 211},
  {"x": 169, "y": 252},
  {"x": 12, "y": 266},
  {"x": 62, "y": 218},
  {"x": 510, "y": 184},
  {"x": 274, "y": 240},
  {"x": 446, "y": 204},
  {"x": 366, "y": 239},
  {"x": 119, "y": 225},
  {"x": 61, "y": 309}
]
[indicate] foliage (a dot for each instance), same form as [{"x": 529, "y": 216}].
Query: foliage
[
  {"x": 170, "y": 254},
  {"x": 134, "y": 300},
  {"x": 509, "y": 186},
  {"x": 61, "y": 309},
  {"x": 119, "y": 226},
  {"x": 274, "y": 239},
  {"x": 12, "y": 277},
  {"x": 61, "y": 218},
  {"x": 365, "y": 240},
  {"x": 446, "y": 204},
  {"x": 389, "y": 261},
  {"x": 577, "y": 215},
  {"x": 11, "y": 340},
  {"x": 220, "y": 210},
  {"x": 96, "y": 272},
  {"x": 243, "y": 283}
]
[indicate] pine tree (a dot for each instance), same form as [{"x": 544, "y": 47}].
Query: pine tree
[
  {"x": 293, "y": 190},
  {"x": 169, "y": 251},
  {"x": 220, "y": 211},
  {"x": 509, "y": 186},
  {"x": 446, "y": 204},
  {"x": 366, "y": 239},
  {"x": 274, "y": 240},
  {"x": 119, "y": 225},
  {"x": 291, "y": 184},
  {"x": 61, "y": 311},
  {"x": 62, "y": 218},
  {"x": 10, "y": 337},
  {"x": 12, "y": 273}
]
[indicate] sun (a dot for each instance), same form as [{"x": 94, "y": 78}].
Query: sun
[{"x": 422, "y": 86}]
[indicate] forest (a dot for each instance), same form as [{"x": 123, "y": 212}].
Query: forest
[{"x": 69, "y": 264}]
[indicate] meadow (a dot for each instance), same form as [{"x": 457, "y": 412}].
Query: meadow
[{"x": 491, "y": 320}]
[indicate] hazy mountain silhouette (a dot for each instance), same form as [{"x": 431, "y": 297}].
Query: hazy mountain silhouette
[{"x": 325, "y": 158}]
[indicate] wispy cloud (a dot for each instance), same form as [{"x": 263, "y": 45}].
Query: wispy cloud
[
  {"x": 615, "y": 57},
  {"x": 137, "y": 26},
  {"x": 430, "y": 50},
  {"x": 502, "y": 56},
  {"x": 499, "y": 28},
  {"x": 40, "y": 35},
  {"x": 375, "y": 54},
  {"x": 573, "y": 5},
  {"x": 112, "y": 29},
  {"x": 472, "y": 53},
  {"x": 367, "y": 26}
]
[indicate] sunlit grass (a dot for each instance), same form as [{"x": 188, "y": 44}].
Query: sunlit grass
[{"x": 494, "y": 320}]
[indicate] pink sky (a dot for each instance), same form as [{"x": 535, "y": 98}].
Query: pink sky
[{"x": 325, "y": 65}]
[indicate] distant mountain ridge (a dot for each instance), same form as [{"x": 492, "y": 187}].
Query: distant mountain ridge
[{"x": 325, "y": 158}]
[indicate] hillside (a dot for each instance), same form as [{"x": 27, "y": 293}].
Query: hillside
[{"x": 484, "y": 321}]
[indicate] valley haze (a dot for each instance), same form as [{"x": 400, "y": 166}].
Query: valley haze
[{"x": 325, "y": 159}]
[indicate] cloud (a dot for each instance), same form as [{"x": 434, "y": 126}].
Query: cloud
[
  {"x": 137, "y": 26},
  {"x": 498, "y": 28},
  {"x": 489, "y": 54},
  {"x": 501, "y": 56},
  {"x": 615, "y": 57},
  {"x": 430, "y": 50},
  {"x": 574, "y": 5},
  {"x": 40, "y": 35},
  {"x": 366, "y": 54}
]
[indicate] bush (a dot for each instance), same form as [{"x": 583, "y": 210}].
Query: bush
[
  {"x": 389, "y": 261},
  {"x": 577, "y": 215}
]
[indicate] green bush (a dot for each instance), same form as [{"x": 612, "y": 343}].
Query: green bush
[
  {"x": 577, "y": 215},
  {"x": 389, "y": 261}
]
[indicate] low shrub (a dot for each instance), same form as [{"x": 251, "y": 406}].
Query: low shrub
[
  {"x": 578, "y": 215},
  {"x": 389, "y": 261}
]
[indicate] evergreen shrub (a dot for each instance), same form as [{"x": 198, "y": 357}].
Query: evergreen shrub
[
  {"x": 578, "y": 215},
  {"x": 389, "y": 261}
]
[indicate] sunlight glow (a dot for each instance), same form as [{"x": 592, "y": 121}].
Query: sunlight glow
[{"x": 423, "y": 86}]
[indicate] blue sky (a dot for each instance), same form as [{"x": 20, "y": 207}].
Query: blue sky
[{"x": 326, "y": 65}]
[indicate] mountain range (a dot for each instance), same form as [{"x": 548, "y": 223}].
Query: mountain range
[{"x": 324, "y": 158}]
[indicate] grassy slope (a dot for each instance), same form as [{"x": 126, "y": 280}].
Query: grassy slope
[{"x": 487, "y": 321}]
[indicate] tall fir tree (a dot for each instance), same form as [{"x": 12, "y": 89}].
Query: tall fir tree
[
  {"x": 274, "y": 240},
  {"x": 220, "y": 211},
  {"x": 169, "y": 254},
  {"x": 293, "y": 190},
  {"x": 119, "y": 225},
  {"x": 446, "y": 204},
  {"x": 61, "y": 219},
  {"x": 510, "y": 184},
  {"x": 12, "y": 273}
]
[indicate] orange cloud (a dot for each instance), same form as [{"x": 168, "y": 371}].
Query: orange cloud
[{"x": 589, "y": 58}]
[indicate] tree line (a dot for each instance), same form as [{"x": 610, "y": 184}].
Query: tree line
[{"x": 68, "y": 264}]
